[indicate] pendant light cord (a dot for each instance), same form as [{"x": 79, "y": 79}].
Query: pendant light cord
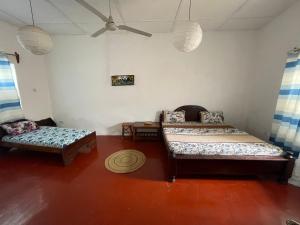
[
  {"x": 177, "y": 12},
  {"x": 31, "y": 13},
  {"x": 190, "y": 10},
  {"x": 109, "y": 7},
  {"x": 176, "y": 15}
]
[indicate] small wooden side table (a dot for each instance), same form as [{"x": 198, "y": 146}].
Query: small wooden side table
[
  {"x": 142, "y": 131},
  {"x": 127, "y": 129}
]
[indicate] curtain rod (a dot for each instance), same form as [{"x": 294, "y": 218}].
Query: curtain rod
[{"x": 13, "y": 54}]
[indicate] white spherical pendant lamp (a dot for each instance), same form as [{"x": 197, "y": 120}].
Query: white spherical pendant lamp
[
  {"x": 34, "y": 39},
  {"x": 187, "y": 34}
]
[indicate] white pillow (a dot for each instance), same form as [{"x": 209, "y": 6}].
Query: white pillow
[{"x": 212, "y": 117}]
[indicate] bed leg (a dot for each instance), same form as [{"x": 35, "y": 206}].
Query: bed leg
[
  {"x": 172, "y": 168},
  {"x": 287, "y": 172},
  {"x": 173, "y": 179}
]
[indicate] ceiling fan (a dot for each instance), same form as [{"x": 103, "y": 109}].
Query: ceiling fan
[{"x": 109, "y": 22}]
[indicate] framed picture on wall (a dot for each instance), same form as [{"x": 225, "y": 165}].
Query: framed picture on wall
[{"x": 122, "y": 80}]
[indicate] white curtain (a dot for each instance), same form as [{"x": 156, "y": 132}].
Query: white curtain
[
  {"x": 10, "y": 106},
  {"x": 286, "y": 123}
]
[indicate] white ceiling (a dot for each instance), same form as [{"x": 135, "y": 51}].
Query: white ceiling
[{"x": 156, "y": 16}]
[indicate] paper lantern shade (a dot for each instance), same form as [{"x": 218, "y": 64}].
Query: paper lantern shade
[
  {"x": 187, "y": 36},
  {"x": 35, "y": 40}
]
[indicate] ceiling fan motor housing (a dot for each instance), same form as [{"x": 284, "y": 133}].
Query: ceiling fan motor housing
[{"x": 110, "y": 25}]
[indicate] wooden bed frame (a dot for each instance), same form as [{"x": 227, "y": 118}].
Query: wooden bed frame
[
  {"x": 180, "y": 165},
  {"x": 68, "y": 153}
]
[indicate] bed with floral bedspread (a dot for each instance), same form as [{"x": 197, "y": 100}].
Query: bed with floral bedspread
[
  {"x": 65, "y": 141},
  {"x": 55, "y": 137},
  {"x": 196, "y": 149},
  {"x": 203, "y": 140}
]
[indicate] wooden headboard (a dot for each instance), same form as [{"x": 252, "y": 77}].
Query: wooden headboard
[{"x": 192, "y": 112}]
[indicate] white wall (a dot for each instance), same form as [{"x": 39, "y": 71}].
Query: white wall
[
  {"x": 237, "y": 72},
  {"x": 31, "y": 75},
  {"x": 215, "y": 76},
  {"x": 274, "y": 40}
]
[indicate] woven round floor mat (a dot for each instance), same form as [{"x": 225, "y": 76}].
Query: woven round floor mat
[{"x": 125, "y": 161}]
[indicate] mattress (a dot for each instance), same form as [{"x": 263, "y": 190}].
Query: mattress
[
  {"x": 216, "y": 140},
  {"x": 55, "y": 137},
  {"x": 191, "y": 124}
]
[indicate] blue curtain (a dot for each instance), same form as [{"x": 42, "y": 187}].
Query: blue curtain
[
  {"x": 286, "y": 122},
  {"x": 10, "y": 106}
]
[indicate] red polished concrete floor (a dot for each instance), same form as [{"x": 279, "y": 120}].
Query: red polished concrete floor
[{"x": 37, "y": 189}]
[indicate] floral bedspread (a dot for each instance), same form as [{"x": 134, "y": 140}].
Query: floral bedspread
[
  {"x": 217, "y": 141},
  {"x": 55, "y": 137}
]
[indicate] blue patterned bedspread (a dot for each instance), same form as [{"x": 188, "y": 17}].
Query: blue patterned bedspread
[{"x": 55, "y": 137}]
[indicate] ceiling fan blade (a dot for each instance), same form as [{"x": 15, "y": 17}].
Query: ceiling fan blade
[
  {"x": 124, "y": 27},
  {"x": 92, "y": 9},
  {"x": 101, "y": 31}
]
